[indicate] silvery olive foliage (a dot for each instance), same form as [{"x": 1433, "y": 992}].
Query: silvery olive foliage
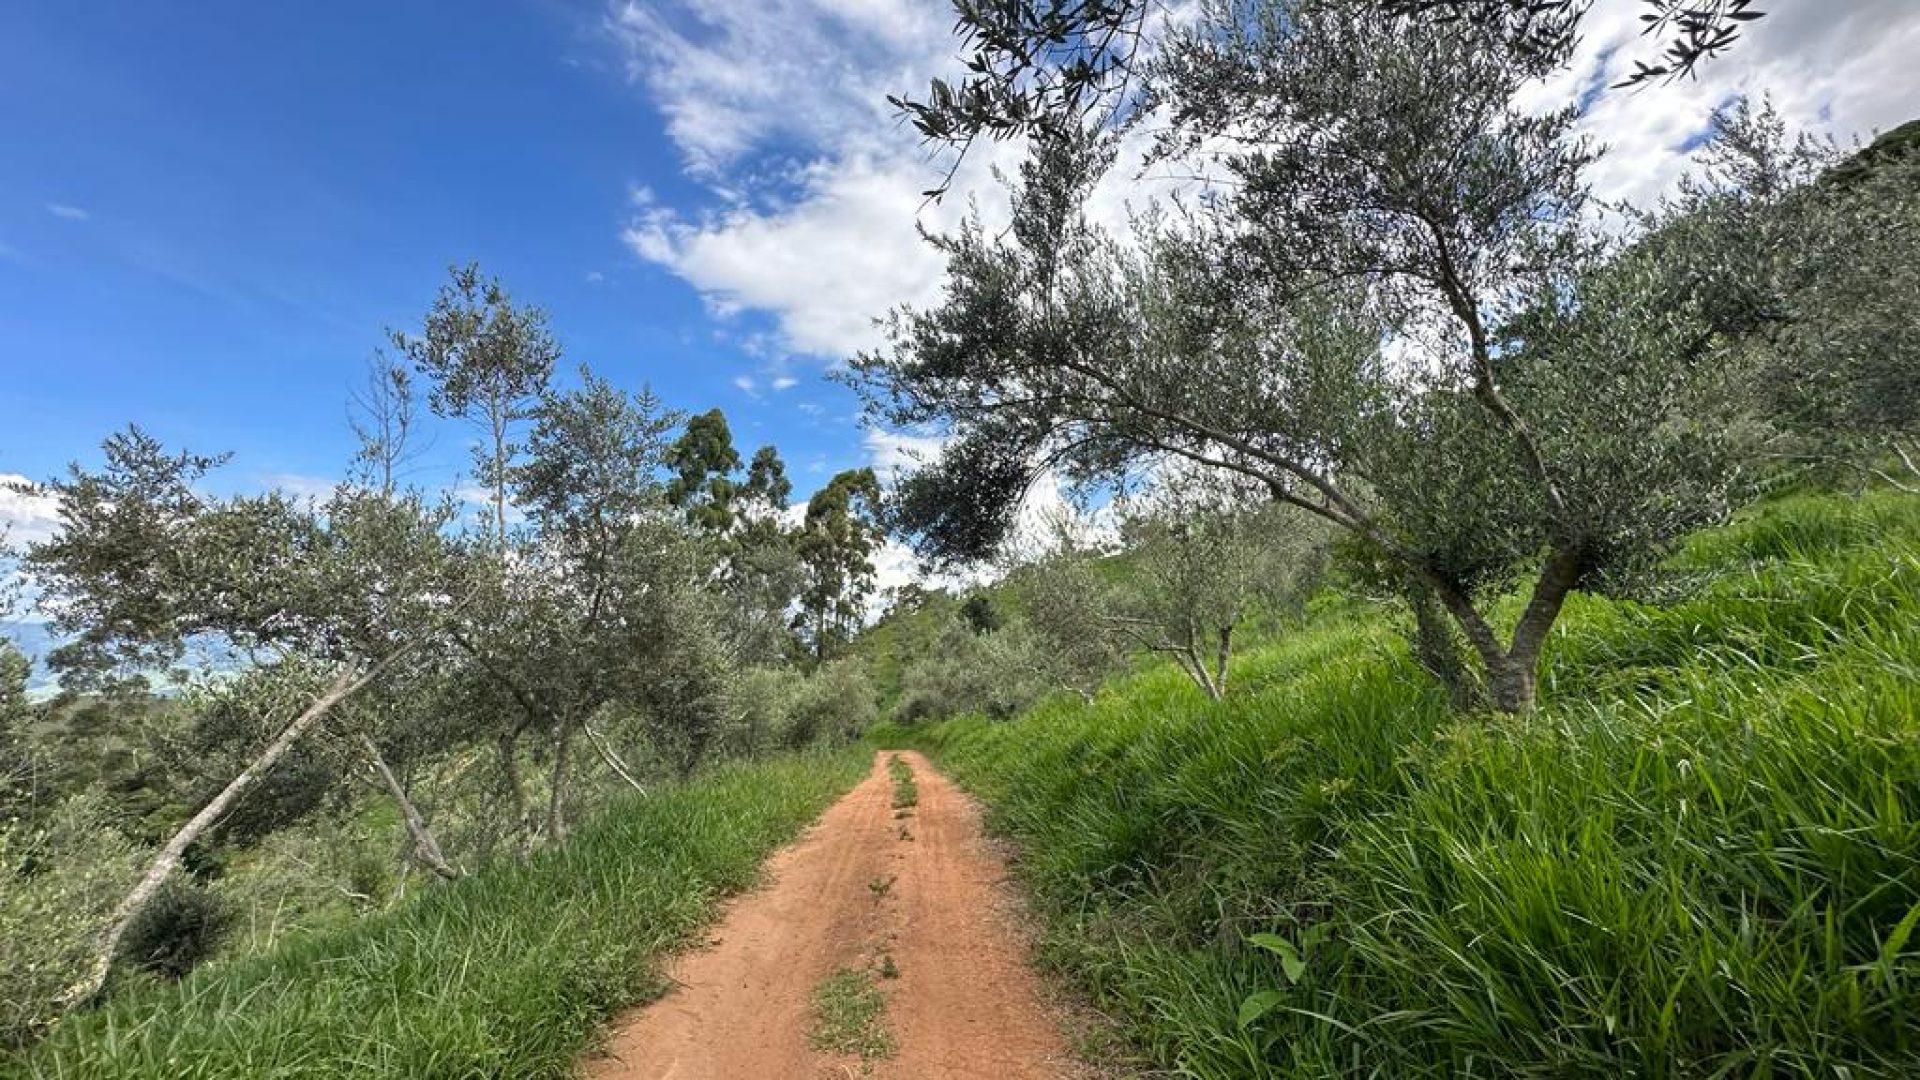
[{"x": 1393, "y": 315}]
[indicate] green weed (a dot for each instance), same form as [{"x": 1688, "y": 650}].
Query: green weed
[
  {"x": 1701, "y": 857},
  {"x": 849, "y": 1016},
  {"x": 905, "y": 793}
]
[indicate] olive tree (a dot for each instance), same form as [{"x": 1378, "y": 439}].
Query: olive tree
[
  {"x": 143, "y": 563},
  {"x": 1199, "y": 560},
  {"x": 1393, "y": 317}
]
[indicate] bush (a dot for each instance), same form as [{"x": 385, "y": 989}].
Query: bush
[
  {"x": 59, "y": 882},
  {"x": 833, "y": 705},
  {"x": 963, "y": 672},
  {"x": 177, "y": 931},
  {"x": 761, "y": 700}
]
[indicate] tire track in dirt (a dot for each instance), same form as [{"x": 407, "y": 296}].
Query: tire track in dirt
[{"x": 965, "y": 1004}]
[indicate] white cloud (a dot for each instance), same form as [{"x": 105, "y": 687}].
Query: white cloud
[
  {"x": 732, "y": 76},
  {"x": 784, "y": 382},
  {"x": 825, "y": 264},
  {"x": 1840, "y": 69},
  {"x": 299, "y": 485},
  {"x": 68, "y": 212},
  {"x": 746, "y": 384},
  {"x": 27, "y": 515}
]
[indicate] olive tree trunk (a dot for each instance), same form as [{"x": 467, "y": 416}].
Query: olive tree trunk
[
  {"x": 426, "y": 849},
  {"x": 1512, "y": 669},
  {"x": 344, "y": 685}
]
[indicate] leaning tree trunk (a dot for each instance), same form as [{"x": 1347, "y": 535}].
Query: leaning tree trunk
[
  {"x": 426, "y": 850},
  {"x": 557, "y": 793},
  {"x": 612, "y": 759},
  {"x": 344, "y": 685},
  {"x": 1437, "y": 648}
]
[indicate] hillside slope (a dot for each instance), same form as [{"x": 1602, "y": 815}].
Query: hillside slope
[
  {"x": 508, "y": 973},
  {"x": 1700, "y": 858}
]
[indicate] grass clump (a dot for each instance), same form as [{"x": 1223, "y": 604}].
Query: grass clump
[
  {"x": 849, "y": 1017},
  {"x": 905, "y": 793},
  {"x": 508, "y": 973},
  {"x": 1700, "y": 857}
]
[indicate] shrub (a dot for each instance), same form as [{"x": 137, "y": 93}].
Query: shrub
[
  {"x": 59, "y": 882},
  {"x": 177, "y": 931},
  {"x": 834, "y": 705}
]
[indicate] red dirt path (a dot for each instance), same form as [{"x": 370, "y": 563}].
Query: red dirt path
[{"x": 965, "y": 1003}]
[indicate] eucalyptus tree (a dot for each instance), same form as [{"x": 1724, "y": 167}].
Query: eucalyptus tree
[
  {"x": 143, "y": 563},
  {"x": 703, "y": 461},
  {"x": 1390, "y": 314},
  {"x": 837, "y": 539},
  {"x": 489, "y": 360}
]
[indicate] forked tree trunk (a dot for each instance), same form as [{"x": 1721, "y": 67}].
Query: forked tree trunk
[
  {"x": 426, "y": 850},
  {"x": 344, "y": 685},
  {"x": 1512, "y": 670}
]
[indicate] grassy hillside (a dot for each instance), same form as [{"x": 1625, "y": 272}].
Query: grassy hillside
[
  {"x": 1700, "y": 858},
  {"x": 505, "y": 974}
]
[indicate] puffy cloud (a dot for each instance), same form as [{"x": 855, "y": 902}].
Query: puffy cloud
[
  {"x": 27, "y": 515},
  {"x": 839, "y": 254},
  {"x": 1832, "y": 69}
]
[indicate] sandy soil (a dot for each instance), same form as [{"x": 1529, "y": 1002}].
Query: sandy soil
[{"x": 965, "y": 1003}]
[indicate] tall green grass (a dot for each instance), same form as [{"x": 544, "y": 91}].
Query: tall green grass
[
  {"x": 507, "y": 974},
  {"x": 1700, "y": 858}
]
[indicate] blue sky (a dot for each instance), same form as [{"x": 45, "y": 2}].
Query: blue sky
[{"x": 206, "y": 223}]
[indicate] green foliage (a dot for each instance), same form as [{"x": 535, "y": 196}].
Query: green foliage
[
  {"x": 849, "y": 1016},
  {"x": 507, "y": 973},
  {"x": 835, "y": 704},
  {"x": 60, "y": 878},
  {"x": 1700, "y": 857},
  {"x": 176, "y": 931}
]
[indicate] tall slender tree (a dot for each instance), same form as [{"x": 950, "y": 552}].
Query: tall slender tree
[{"x": 489, "y": 361}]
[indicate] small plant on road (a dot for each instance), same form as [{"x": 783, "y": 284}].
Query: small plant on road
[
  {"x": 849, "y": 1016},
  {"x": 905, "y": 793}
]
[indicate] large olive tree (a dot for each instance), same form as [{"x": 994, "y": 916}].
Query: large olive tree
[{"x": 1390, "y": 313}]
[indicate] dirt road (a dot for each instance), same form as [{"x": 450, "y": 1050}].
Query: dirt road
[{"x": 861, "y": 886}]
